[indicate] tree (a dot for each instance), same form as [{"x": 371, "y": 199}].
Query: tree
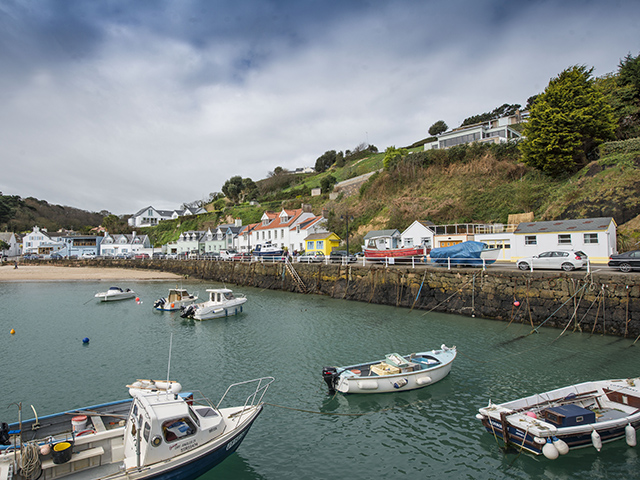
[
  {"x": 566, "y": 123},
  {"x": 625, "y": 97},
  {"x": 327, "y": 183},
  {"x": 392, "y": 156},
  {"x": 438, "y": 128},
  {"x": 325, "y": 161}
]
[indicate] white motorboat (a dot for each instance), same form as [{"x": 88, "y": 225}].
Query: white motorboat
[
  {"x": 158, "y": 433},
  {"x": 222, "y": 303},
  {"x": 581, "y": 415},
  {"x": 175, "y": 300},
  {"x": 115, "y": 293},
  {"x": 394, "y": 373}
]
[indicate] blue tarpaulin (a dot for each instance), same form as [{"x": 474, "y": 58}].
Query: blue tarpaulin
[{"x": 465, "y": 253}]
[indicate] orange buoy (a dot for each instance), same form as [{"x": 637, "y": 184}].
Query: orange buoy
[{"x": 13, "y": 331}]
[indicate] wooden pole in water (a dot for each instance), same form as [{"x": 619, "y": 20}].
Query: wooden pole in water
[{"x": 505, "y": 428}]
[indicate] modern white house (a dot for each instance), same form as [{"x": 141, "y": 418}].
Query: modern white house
[
  {"x": 494, "y": 131},
  {"x": 383, "y": 239},
  {"x": 288, "y": 229},
  {"x": 594, "y": 236},
  {"x": 149, "y": 216}
]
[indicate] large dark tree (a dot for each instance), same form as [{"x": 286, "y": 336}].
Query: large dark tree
[
  {"x": 325, "y": 161},
  {"x": 438, "y": 128},
  {"x": 566, "y": 123}
]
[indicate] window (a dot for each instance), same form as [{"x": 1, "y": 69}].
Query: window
[
  {"x": 408, "y": 242},
  {"x": 319, "y": 245},
  {"x": 564, "y": 239},
  {"x": 530, "y": 240},
  {"x": 310, "y": 245},
  {"x": 590, "y": 238}
]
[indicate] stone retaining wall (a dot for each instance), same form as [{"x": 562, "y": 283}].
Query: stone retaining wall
[{"x": 598, "y": 302}]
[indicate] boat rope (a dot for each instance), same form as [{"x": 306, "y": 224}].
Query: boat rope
[
  {"x": 626, "y": 325},
  {"x": 419, "y": 290},
  {"x": 557, "y": 309},
  {"x": 575, "y": 311},
  {"x": 450, "y": 296},
  {"x": 31, "y": 466},
  {"x": 315, "y": 412}
]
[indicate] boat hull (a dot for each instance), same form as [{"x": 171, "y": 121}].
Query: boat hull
[
  {"x": 606, "y": 407},
  {"x": 374, "y": 253},
  {"x": 115, "y": 298}
]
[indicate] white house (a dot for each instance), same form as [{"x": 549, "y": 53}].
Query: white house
[
  {"x": 420, "y": 232},
  {"x": 123, "y": 244},
  {"x": 280, "y": 229},
  {"x": 493, "y": 131},
  {"x": 191, "y": 242},
  {"x": 13, "y": 241},
  {"x": 382, "y": 239},
  {"x": 594, "y": 236},
  {"x": 31, "y": 241}
]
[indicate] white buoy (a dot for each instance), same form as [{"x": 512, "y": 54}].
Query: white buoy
[
  {"x": 630, "y": 434},
  {"x": 596, "y": 440},
  {"x": 549, "y": 450},
  {"x": 539, "y": 440},
  {"x": 561, "y": 445}
]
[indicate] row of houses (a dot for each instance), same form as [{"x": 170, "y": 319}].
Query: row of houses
[
  {"x": 594, "y": 236},
  {"x": 300, "y": 230},
  {"x": 150, "y": 217}
]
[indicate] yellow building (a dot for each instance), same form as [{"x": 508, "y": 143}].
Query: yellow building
[{"x": 321, "y": 242}]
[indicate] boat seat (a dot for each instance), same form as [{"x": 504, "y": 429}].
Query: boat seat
[
  {"x": 83, "y": 455},
  {"x": 98, "y": 424}
]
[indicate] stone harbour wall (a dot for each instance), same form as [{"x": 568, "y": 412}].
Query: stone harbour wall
[{"x": 589, "y": 302}]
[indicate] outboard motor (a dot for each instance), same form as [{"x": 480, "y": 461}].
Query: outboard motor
[
  {"x": 188, "y": 311},
  {"x": 159, "y": 303},
  {"x": 4, "y": 434},
  {"x": 330, "y": 375}
]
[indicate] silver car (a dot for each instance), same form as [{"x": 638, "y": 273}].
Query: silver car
[{"x": 566, "y": 260}]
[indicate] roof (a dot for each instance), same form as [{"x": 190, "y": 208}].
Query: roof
[
  {"x": 320, "y": 236},
  {"x": 555, "y": 226}
]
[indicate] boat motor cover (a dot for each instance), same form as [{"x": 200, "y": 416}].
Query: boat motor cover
[{"x": 468, "y": 249}]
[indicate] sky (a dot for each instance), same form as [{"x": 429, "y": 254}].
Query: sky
[{"x": 116, "y": 105}]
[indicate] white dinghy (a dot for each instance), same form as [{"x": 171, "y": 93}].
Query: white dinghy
[{"x": 394, "y": 373}]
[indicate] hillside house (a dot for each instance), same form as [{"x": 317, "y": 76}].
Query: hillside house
[
  {"x": 13, "y": 241},
  {"x": 32, "y": 240},
  {"x": 123, "y": 244},
  {"x": 494, "y": 131},
  {"x": 420, "y": 232},
  {"x": 150, "y": 217}
]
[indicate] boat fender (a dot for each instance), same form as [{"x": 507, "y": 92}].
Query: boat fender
[
  {"x": 630, "y": 435},
  {"x": 368, "y": 385},
  {"x": 596, "y": 440},
  {"x": 423, "y": 380},
  {"x": 479, "y": 416},
  {"x": 400, "y": 383},
  {"x": 539, "y": 440},
  {"x": 561, "y": 446},
  {"x": 549, "y": 450}
]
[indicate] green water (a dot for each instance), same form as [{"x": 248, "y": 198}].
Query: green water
[{"x": 427, "y": 433}]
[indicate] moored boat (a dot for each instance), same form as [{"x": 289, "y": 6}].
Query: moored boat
[
  {"x": 175, "y": 300},
  {"x": 468, "y": 253},
  {"x": 222, "y": 303},
  {"x": 372, "y": 253},
  {"x": 114, "y": 294},
  {"x": 158, "y": 433},
  {"x": 268, "y": 250},
  {"x": 394, "y": 373},
  {"x": 581, "y": 415}
]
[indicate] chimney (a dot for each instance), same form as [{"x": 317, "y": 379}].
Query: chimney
[
  {"x": 238, "y": 222},
  {"x": 306, "y": 208}
]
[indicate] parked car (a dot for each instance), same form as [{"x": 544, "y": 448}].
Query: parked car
[
  {"x": 55, "y": 256},
  {"x": 566, "y": 260},
  {"x": 172, "y": 256},
  {"x": 141, "y": 256},
  {"x": 341, "y": 256},
  {"x": 88, "y": 255},
  {"x": 158, "y": 255},
  {"x": 241, "y": 257},
  {"x": 30, "y": 256},
  {"x": 626, "y": 261},
  {"x": 311, "y": 257}
]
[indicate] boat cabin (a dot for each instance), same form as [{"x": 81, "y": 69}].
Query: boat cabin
[
  {"x": 163, "y": 422},
  {"x": 220, "y": 295}
]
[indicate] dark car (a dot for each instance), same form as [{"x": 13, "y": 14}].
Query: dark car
[
  {"x": 55, "y": 256},
  {"x": 626, "y": 261},
  {"x": 341, "y": 256}
]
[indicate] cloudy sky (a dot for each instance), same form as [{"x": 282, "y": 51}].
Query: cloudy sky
[{"x": 118, "y": 104}]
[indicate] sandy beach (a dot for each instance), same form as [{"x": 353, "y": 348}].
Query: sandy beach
[{"x": 48, "y": 272}]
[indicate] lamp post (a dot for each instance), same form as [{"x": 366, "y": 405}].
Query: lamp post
[{"x": 347, "y": 217}]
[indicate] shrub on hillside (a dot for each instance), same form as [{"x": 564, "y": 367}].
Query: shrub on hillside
[{"x": 622, "y": 146}]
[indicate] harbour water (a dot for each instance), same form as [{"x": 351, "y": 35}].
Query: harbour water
[{"x": 426, "y": 433}]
